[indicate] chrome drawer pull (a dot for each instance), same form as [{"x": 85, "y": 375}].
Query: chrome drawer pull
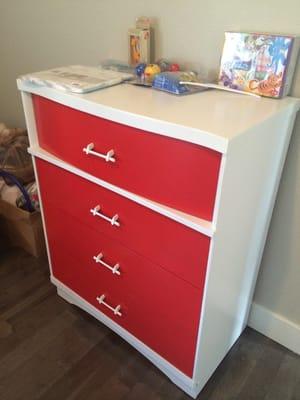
[
  {"x": 114, "y": 269},
  {"x": 109, "y": 156},
  {"x": 115, "y": 310},
  {"x": 113, "y": 220}
]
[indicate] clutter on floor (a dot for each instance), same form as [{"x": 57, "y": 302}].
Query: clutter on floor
[{"x": 19, "y": 204}]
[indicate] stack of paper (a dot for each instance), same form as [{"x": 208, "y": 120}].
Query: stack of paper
[{"x": 77, "y": 78}]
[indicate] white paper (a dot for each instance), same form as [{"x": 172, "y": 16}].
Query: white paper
[{"x": 77, "y": 78}]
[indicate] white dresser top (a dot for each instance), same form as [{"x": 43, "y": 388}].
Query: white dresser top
[{"x": 211, "y": 118}]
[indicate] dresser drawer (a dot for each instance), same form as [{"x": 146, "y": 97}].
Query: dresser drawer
[
  {"x": 158, "y": 308},
  {"x": 172, "y": 245},
  {"x": 176, "y": 173}
]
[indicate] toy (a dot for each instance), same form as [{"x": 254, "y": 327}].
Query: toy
[
  {"x": 164, "y": 65},
  {"x": 135, "y": 52},
  {"x": 140, "y": 68},
  {"x": 171, "y": 82},
  {"x": 139, "y": 42},
  {"x": 174, "y": 67},
  {"x": 150, "y": 71},
  {"x": 167, "y": 66}
]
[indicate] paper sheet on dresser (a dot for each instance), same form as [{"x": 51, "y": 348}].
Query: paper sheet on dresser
[{"x": 77, "y": 78}]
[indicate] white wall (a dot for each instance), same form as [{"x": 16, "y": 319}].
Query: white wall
[{"x": 40, "y": 34}]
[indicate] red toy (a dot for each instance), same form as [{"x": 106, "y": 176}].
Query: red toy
[{"x": 174, "y": 67}]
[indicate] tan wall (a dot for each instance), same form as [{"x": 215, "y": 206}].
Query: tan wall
[{"x": 39, "y": 34}]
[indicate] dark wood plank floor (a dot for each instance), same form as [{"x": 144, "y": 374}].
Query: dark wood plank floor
[{"x": 50, "y": 350}]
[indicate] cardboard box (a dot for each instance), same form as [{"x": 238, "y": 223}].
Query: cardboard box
[{"x": 22, "y": 229}]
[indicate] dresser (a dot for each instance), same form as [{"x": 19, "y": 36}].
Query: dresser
[{"x": 156, "y": 210}]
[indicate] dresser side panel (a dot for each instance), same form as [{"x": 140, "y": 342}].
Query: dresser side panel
[
  {"x": 33, "y": 141},
  {"x": 252, "y": 173}
]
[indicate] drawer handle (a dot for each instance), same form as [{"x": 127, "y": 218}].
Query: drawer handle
[
  {"x": 113, "y": 220},
  {"x": 109, "y": 156},
  {"x": 114, "y": 269},
  {"x": 115, "y": 310}
]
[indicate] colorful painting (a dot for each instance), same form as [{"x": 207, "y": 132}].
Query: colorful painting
[{"x": 255, "y": 62}]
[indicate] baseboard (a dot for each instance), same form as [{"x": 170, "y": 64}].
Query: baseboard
[{"x": 275, "y": 326}]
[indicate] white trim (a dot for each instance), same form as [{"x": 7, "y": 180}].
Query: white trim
[
  {"x": 42, "y": 214},
  {"x": 275, "y": 326},
  {"x": 33, "y": 137},
  {"x": 176, "y": 376},
  {"x": 200, "y": 225},
  {"x": 29, "y": 118},
  {"x": 198, "y": 359},
  {"x": 197, "y": 363},
  {"x": 219, "y": 189}
]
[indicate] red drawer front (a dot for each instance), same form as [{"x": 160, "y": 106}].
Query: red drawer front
[
  {"x": 179, "y": 174},
  {"x": 158, "y": 308},
  {"x": 172, "y": 245}
]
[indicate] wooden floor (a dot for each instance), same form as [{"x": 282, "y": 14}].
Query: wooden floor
[{"x": 51, "y": 350}]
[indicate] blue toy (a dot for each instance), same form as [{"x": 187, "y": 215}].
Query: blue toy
[
  {"x": 170, "y": 82},
  {"x": 140, "y": 68}
]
